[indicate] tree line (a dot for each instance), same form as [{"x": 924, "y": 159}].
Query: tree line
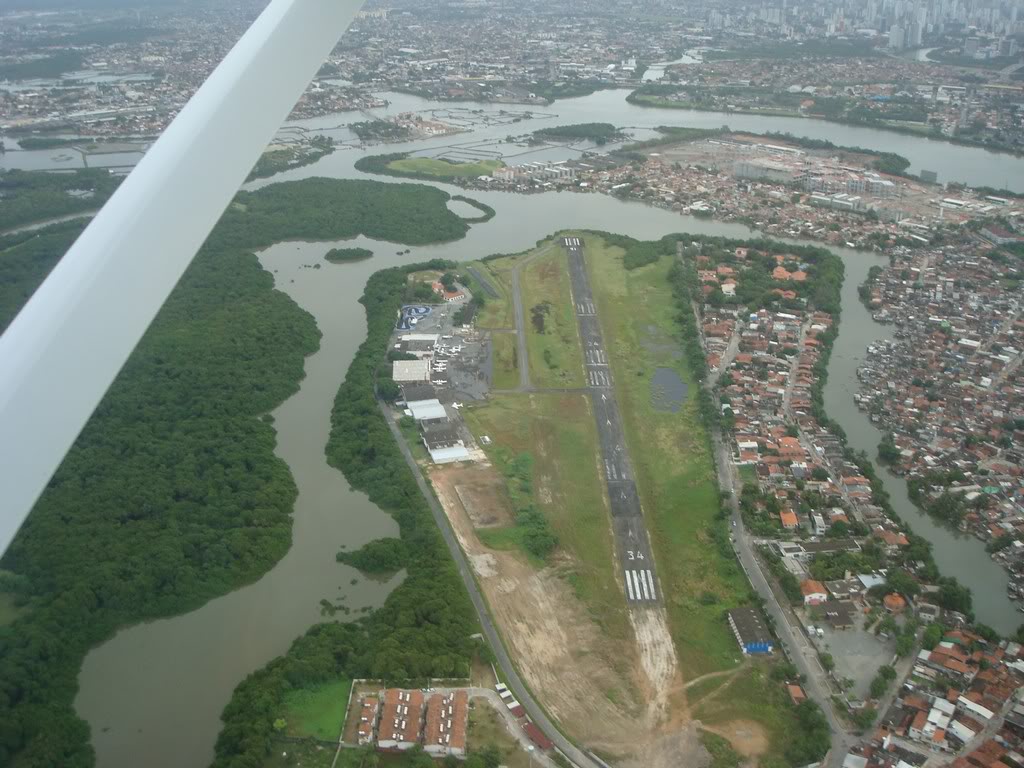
[
  {"x": 423, "y": 629},
  {"x": 173, "y": 495},
  {"x": 31, "y": 196}
]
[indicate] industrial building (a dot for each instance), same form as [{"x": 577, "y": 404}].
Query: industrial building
[
  {"x": 750, "y": 631},
  {"x": 426, "y": 410},
  {"x": 779, "y": 171},
  {"x": 443, "y": 443},
  {"x": 403, "y": 371}
]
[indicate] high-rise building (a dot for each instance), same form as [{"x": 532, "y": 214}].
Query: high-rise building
[{"x": 896, "y": 37}]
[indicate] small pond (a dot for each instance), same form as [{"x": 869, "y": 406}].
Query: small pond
[{"x": 668, "y": 391}]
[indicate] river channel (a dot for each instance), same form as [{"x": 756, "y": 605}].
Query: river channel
[{"x": 153, "y": 694}]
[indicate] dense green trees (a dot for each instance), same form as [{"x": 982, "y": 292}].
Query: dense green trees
[
  {"x": 26, "y": 258},
  {"x": 377, "y": 556},
  {"x": 486, "y": 212},
  {"x": 338, "y": 255},
  {"x": 424, "y": 627},
  {"x": 379, "y": 130},
  {"x": 289, "y": 158},
  {"x": 599, "y": 133},
  {"x": 328, "y": 209},
  {"x": 30, "y": 196},
  {"x": 811, "y": 739},
  {"x": 173, "y": 495}
]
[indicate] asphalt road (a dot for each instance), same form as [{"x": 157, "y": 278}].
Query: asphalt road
[
  {"x": 512, "y": 678},
  {"x": 631, "y": 538}
]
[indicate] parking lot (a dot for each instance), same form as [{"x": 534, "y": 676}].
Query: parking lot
[
  {"x": 857, "y": 653},
  {"x": 460, "y": 360}
]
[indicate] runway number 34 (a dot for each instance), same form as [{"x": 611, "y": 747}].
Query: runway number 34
[{"x": 635, "y": 555}]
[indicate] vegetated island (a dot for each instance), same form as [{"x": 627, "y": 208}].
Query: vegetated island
[
  {"x": 140, "y": 493},
  {"x": 341, "y": 255},
  {"x": 599, "y": 133},
  {"x": 275, "y": 161},
  {"x": 425, "y": 168},
  {"x": 379, "y": 130},
  {"x": 486, "y": 212}
]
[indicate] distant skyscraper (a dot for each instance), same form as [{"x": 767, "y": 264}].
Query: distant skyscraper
[
  {"x": 914, "y": 34},
  {"x": 896, "y": 36}
]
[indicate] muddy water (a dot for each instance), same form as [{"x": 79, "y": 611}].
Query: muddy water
[
  {"x": 970, "y": 165},
  {"x": 158, "y": 689}
]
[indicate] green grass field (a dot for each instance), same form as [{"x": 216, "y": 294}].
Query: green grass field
[
  {"x": 748, "y": 474},
  {"x": 671, "y": 457},
  {"x": 496, "y": 312},
  {"x": 552, "y": 335},
  {"x": 444, "y": 169},
  {"x": 317, "y": 712},
  {"x": 753, "y": 695},
  {"x": 506, "y": 361},
  {"x": 558, "y": 431},
  {"x": 699, "y": 691}
]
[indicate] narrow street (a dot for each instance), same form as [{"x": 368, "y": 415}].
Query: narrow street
[{"x": 795, "y": 645}]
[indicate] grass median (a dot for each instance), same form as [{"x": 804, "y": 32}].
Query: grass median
[
  {"x": 496, "y": 313},
  {"x": 506, "y": 361},
  {"x": 552, "y": 334}
]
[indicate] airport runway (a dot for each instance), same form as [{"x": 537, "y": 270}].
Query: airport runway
[{"x": 631, "y": 540}]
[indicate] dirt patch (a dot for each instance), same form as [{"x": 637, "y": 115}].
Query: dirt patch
[
  {"x": 482, "y": 494},
  {"x": 680, "y": 748},
  {"x": 747, "y": 737},
  {"x": 657, "y": 658},
  {"x": 611, "y": 695}
]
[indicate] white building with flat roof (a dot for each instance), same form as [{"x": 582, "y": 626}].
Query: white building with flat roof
[{"x": 403, "y": 371}]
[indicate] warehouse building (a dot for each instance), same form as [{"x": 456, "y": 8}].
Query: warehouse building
[
  {"x": 403, "y": 371},
  {"x": 443, "y": 443},
  {"x": 414, "y": 392},
  {"x": 426, "y": 410},
  {"x": 750, "y": 631}
]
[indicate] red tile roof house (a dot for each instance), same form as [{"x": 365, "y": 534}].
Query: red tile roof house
[{"x": 814, "y": 592}]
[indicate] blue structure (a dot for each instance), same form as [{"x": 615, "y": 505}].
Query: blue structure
[{"x": 750, "y": 631}]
